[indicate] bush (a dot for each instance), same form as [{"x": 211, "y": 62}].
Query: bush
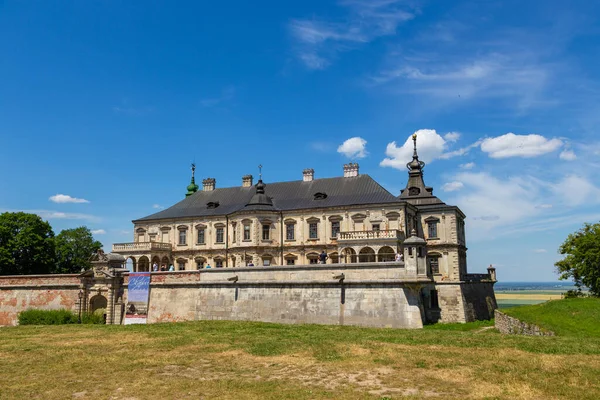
[
  {"x": 47, "y": 317},
  {"x": 57, "y": 317}
]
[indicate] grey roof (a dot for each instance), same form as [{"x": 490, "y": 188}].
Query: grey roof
[{"x": 292, "y": 195}]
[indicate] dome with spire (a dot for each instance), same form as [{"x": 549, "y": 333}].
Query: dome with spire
[
  {"x": 416, "y": 192},
  {"x": 192, "y": 187}
]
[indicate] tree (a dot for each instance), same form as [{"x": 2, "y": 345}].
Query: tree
[
  {"x": 582, "y": 258},
  {"x": 74, "y": 247},
  {"x": 26, "y": 244}
]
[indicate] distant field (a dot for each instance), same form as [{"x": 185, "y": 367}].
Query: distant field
[
  {"x": 250, "y": 360},
  {"x": 513, "y": 298}
]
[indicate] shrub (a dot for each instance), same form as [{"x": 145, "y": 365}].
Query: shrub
[
  {"x": 47, "y": 317},
  {"x": 57, "y": 317}
]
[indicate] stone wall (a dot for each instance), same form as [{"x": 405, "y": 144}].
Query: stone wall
[
  {"x": 510, "y": 325},
  {"x": 479, "y": 300},
  {"x": 45, "y": 292}
]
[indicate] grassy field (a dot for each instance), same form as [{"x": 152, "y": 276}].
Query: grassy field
[
  {"x": 513, "y": 298},
  {"x": 569, "y": 317},
  {"x": 249, "y": 360}
]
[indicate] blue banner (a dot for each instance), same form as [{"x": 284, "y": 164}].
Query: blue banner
[{"x": 138, "y": 290}]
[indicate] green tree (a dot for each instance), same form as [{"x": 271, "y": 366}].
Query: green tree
[
  {"x": 582, "y": 258},
  {"x": 26, "y": 244},
  {"x": 74, "y": 247}
]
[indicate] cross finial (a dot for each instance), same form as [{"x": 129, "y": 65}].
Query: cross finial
[
  {"x": 193, "y": 169},
  {"x": 260, "y": 172}
]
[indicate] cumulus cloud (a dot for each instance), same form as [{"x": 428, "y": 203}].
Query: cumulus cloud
[
  {"x": 452, "y": 136},
  {"x": 430, "y": 146},
  {"x": 354, "y": 147},
  {"x": 157, "y": 206},
  {"x": 65, "y": 198},
  {"x": 452, "y": 186},
  {"x": 511, "y": 145},
  {"x": 470, "y": 165},
  {"x": 99, "y": 232},
  {"x": 576, "y": 190},
  {"x": 567, "y": 155}
]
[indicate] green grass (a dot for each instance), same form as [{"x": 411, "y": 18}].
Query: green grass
[
  {"x": 253, "y": 360},
  {"x": 567, "y": 317}
]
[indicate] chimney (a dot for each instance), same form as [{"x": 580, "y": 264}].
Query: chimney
[
  {"x": 208, "y": 184},
  {"x": 350, "y": 170},
  {"x": 308, "y": 175},
  {"x": 247, "y": 180}
]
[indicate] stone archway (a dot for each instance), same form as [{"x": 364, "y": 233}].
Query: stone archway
[
  {"x": 98, "y": 302},
  {"x": 131, "y": 264},
  {"x": 349, "y": 255},
  {"x": 386, "y": 253},
  {"x": 366, "y": 254},
  {"x": 143, "y": 264}
]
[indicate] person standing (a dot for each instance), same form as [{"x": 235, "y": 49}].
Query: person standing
[
  {"x": 323, "y": 257},
  {"x": 155, "y": 267}
]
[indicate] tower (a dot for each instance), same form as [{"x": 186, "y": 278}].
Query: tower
[
  {"x": 415, "y": 254},
  {"x": 192, "y": 187}
]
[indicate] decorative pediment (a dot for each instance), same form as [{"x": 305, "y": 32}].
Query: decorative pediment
[
  {"x": 312, "y": 220},
  {"x": 183, "y": 228},
  {"x": 200, "y": 226},
  {"x": 336, "y": 218},
  {"x": 165, "y": 228},
  {"x": 431, "y": 219},
  {"x": 359, "y": 217},
  {"x": 140, "y": 230},
  {"x": 393, "y": 215},
  {"x": 289, "y": 221},
  {"x": 290, "y": 256},
  {"x": 219, "y": 225}
]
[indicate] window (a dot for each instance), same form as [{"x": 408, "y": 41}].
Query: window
[
  {"x": 434, "y": 265},
  {"x": 376, "y": 227},
  {"x": 313, "y": 260},
  {"x": 152, "y": 237},
  {"x": 165, "y": 236},
  {"x": 247, "y": 232},
  {"x": 233, "y": 235},
  {"x": 140, "y": 237},
  {"x": 432, "y": 229},
  {"x": 199, "y": 263},
  {"x": 266, "y": 261},
  {"x": 220, "y": 235},
  {"x": 219, "y": 262},
  {"x": 201, "y": 236},
  {"x": 289, "y": 231},
  {"x": 290, "y": 261},
  {"x": 313, "y": 230},
  {"x": 266, "y": 232},
  {"x": 182, "y": 237},
  {"x": 335, "y": 228},
  {"x": 181, "y": 265}
]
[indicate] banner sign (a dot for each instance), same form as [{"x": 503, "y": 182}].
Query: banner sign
[{"x": 138, "y": 290}]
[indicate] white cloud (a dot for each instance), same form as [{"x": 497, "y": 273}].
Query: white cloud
[
  {"x": 320, "y": 40},
  {"x": 540, "y": 250},
  {"x": 51, "y": 214},
  {"x": 353, "y": 148},
  {"x": 99, "y": 232},
  {"x": 452, "y": 136},
  {"x": 576, "y": 190},
  {"x": 430, "y": 146},
  {"x": 65, "y": 198},
  {"x": 470, "y": 165},
  {"x": 511, "y": 145},
  {"x": 452, "y": 186},
  {"x": 567, "y": 155},
  {"x": 157, "y": 206}
]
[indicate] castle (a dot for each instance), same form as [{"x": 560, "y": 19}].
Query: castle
[{"x": 252, "y": 252}]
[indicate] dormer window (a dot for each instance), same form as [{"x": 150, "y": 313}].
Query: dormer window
[
  {"x": 320, "y": 196},
  {"x": 212, "y": 204}
]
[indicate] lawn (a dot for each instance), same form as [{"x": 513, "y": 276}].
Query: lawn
[{"x": 251, "y": 360}]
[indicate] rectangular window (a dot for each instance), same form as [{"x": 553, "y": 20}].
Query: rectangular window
[
  {"x": 289, "y": 231},
  {"x": 290, "y": 261},
  {"x": 266, "y": 232},
  {"x": 219, "y": 263},
  {"x": 246, "y": 232},
  {"x": 266, "y": 262},
  {"x": 201, "y": 236},
  {"x": 434, "y": 264},
  {"x": 182, "y": 237},
  {"x": 313, "y": 260},
  {"x": 335, "y": 228},
  {"x": 233, "y": 234},
  {"x": 432, "y": 229},
  {"x": 376, "y": 227},
  {"x": 165, "y": 237},
  {"x": 153, "y": 238},
  {"x": 313, "y": 230},
  {"x": 181, "y": 266},
  {"x": 220, "y": 235},
  {"x": 140, "y": 238}
]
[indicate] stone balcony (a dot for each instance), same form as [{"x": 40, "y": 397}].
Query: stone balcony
[
  {"x": 140, "y": 247},
  {"x": 380, "y": 235}
]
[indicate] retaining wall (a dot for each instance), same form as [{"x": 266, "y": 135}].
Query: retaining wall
[{"x": 510, "y": 325}]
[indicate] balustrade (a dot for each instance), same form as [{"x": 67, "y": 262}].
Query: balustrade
[
  {"x": 141, "y": 246},
  {"x": 365, "y": 235}
]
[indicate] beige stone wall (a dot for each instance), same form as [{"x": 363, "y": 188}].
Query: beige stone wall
[{"x": 44, "y": 292}]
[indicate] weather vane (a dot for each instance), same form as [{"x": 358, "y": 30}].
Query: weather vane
[
  {"x": 193, "y": 168},
  {"x": 260, "y": 172}
]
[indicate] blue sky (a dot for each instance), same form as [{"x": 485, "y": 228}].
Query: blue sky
[{"x": 107, "y": 103}]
